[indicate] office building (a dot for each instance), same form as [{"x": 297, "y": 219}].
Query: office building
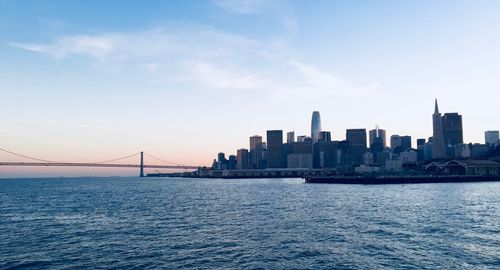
[
  {"x": 438, "y": 144},
  {"x": 325, "y": 154},
  {"x": 275, "y": 149},
  {"x": 299, "y": 155},
  {"x": 406, "y": 142},
  {"x": 263, "y": 163},
  {"x": 368, "y": 159},
  {"x": 315, "y": 126},
  {"x": 324, "y": 136},
  {"x": 478, "y": 150},
  {"x": 462, "y": 150},
  {"x": 377, "y": 133},
  {"x": 376, "y": 148},
  {"x": 420, "y": 149},
  {"x": 221, "y": 161},
  {"x": 290, "y": 137},
  {"x": 243, "y": 159},
  {"x": 231, "y": 162},
  {"x": 452, "y": 129},
  {"x": 345, "y": 158},
  {"x": 395, "y": 142},
  {"x": 301, "y": 138},
  {"x": 491, "y": 137},
  {"x": 256, "y": 152},
  {"x": 357, "y": 142}
]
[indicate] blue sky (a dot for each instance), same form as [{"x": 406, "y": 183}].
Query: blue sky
[{"x": 183, "y": 80}]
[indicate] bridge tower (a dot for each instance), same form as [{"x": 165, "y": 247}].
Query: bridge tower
[{"x": 142, "y": 165}]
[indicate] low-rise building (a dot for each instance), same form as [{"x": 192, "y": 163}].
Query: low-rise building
[{"x": 465, "y": 167}]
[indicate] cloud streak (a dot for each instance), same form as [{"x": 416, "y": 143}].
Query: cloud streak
[
  {"x": 243, "y": 6},
  {"x": 204, "y": 58}
]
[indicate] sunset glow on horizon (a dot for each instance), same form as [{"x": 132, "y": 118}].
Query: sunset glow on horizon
[{"x": 183, "y": 80}]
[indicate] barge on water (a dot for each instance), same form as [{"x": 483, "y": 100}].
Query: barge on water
[{"x": 383, "y": 180}]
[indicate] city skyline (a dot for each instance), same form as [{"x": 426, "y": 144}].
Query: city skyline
[
  {"x": 178, "y": 79},
  {"x": 361, "y": 151},
  {"x": 361, "y": 137}
]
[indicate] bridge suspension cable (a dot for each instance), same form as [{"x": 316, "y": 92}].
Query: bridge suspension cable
[
  {"x": 166, "y": 161},
  {"x": 116, "y": 159},
  {"x": 28, "y": 157}
]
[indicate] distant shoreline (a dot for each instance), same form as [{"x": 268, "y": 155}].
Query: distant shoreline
[{"x": 388, "y": 180}]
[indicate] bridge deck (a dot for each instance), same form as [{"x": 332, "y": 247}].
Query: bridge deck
[{"x": 74, "y": 164}]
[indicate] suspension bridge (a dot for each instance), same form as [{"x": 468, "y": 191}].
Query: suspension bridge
[{"x": 11, "y": 158}]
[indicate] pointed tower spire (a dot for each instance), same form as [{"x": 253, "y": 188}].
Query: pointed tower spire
[{"x": 436, "y": 109}]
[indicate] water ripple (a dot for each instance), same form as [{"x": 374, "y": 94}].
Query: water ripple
[{"x": 246, "y": 224}]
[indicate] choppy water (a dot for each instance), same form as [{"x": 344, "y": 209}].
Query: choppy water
[{"x": 247, "y": 224}]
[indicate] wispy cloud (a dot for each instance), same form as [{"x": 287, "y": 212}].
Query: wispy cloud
[
  {"x": 95, "y": 46},
  {"x": 223, "y": 78},
  {"x": 243, "y": 6},
  {"x": 325, "y": 83},
  {"x": 204, "y": 58}
]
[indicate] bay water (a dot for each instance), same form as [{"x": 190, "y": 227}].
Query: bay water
[{"x": 170, "y": 223}]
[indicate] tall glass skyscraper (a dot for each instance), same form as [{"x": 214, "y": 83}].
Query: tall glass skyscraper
[{"x": 315, "y": 126}]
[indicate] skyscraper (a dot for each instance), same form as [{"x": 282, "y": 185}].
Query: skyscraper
[
  {"x": 491, "y": 137},
  {"x": 232, "y": 162},
  {"x": 395, "y": 141},
  {"x": 452, "y": 129},
  {"x": 357, "y": 142},
  {"x": 300, "y": 155},
  {"x": 242, "y": 159},
  {"x": 324, "y": 136},
  {"x": 301, "y": 138},
  {"x": 290, "y": 137},
  {"x": 275, "y": 149},
  {"x": 256, "y": 152},
  {"x": 315, "y": 126},
  {"x": 405, "y": 142},
  {"x": 378, "y": 133},
  {"x": 221, "y": 161},
  {"x": 325, "y": 154},
  {"x": 438, "y": 144},
  {"x": 420, "y": 149}
]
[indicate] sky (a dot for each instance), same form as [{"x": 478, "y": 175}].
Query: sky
[{"x": 184, "y": 80}]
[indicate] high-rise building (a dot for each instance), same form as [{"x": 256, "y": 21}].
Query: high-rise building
[
  {"x": 452, "y": 129},
  {"x": 438, "y": 144},
  {"x": 290, "y": 137},
  {"x": 357, "y": 143},
  {"x": 395, "y": 141},
  {"x": 378, "y": 133},
  {"x": 420, "y": 149},
  {"x": 263, "y": 162},
  {"x": 345, "y": 158},
  {"x": 324, "y": 136},
  {"x": 315, "y": 126},
  {"x": 243, "y": 159},
  {"x": 301, "y": 138},
  {"x": 420, "y": 144},
  {"x": 256, "y": 152},
  {"x": 376, "y": 148},
  {"x": 232, "y": 162},
  {"x": 300, "y": 155},
  {"x": 478, "y": 150},
  {"x": 275, "y": 149},
  {"x": 491, "y": 137},
  {"x": 406, "y": 142},
  {"x": 221, "y": 161},
  {"x": 325, "y": 154}
]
